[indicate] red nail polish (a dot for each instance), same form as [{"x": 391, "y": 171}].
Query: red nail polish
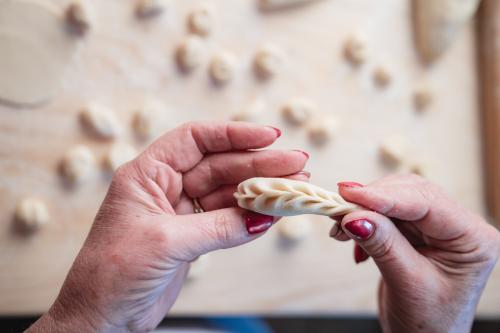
[
  {"x": 359, "y": 254},
  {"x": 362, "y": 229},
  {"x": 349, "y": 184},
  {"x": 303, "y": 152},
  {"x": 278, "y": 131},
  {"x": 257, "y": 223}
]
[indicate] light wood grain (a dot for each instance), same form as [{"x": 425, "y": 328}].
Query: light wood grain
[
  {"x": 489, "y": 65},
  {"x": 124, "y": 59}
]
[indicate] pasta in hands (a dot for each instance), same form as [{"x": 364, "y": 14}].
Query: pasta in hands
[{"x": 286, "y": 197}]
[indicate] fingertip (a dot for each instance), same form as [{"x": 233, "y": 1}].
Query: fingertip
[{"x": 276, "y": 131}]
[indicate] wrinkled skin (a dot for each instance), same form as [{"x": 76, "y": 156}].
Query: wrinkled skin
[
  {"x": 136, "y": 256},
  {"x": 434, "y": 256}
]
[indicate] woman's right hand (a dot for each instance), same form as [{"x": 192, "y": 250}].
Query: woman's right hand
[{"x": 434, "y": 256}]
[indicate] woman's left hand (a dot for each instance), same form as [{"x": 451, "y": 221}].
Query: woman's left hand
[{"x": 136, "y": 256}]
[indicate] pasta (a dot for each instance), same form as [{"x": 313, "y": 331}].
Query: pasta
[{"x": 285, "y": 197}]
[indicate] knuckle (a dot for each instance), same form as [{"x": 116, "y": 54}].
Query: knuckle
[
  {"x": 222, "y": 229},
  {"x": 382, "y": 249}
]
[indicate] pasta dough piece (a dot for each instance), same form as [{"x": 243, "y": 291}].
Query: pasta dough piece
[
  {"x": 200, "y": 21},
  {"x": 298, "y": 111},
  {"x": 144, "y": 120},
  {"x": 320, "y": 130},
  {"x": 119, "y": 154},
  {"x": 422, "y": 99},
  {"x": 31, "y": 214},
  {"x": 78, "y": 18},
  {"x": 77, "y": 164},
  {"x": 221, "y": 68},
  {"x": 251, "y": 112},
  {"x": 354, "y": 51},
  {"x": 294, "y": 230},
  {"x": 99, "y": 121},
  {"x": 267, "y": 62},
  {"x": 149, "y": 8},
  {"x": 392, "y": 151},
  {"x": 286, "y": 197},
  {"x": 381, "y": 77},
  {"x": 190, "y": 53}
]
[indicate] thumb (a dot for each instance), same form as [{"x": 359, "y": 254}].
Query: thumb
[
  {"x": 218, "y": 229},
  {"x": 381, "y": 240}
]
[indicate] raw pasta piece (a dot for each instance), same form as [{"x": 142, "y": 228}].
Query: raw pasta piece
[
  {"x": 190, "y": 53},
  {"x": 78, "y": 18},
  {"x": 99, "y": 121},
  {"x": 354, "y": 51},
  {"x": 250, "y": 112},
  {"x": 119, "y": 154},
  {"x": 77, "y": 164},
  {"x": 146, "y": 9},
  {"x": 422, "y": 99},
  {"x": 267, "y": 62},
  {"x": 392, "y": 151},
  {"x": 221, "y": 68},
  {"x": 286, "y": 197},
  {"x": 294, "y": 230},
  {"x": 30, "y": 214},
  {"x": 144, "y": 120},
  {"x": 320, "y": 130},
  {"x": 298, "y": 111},
  {"x": 280, "y": 4},
  {"x": 197, "y": 267},
  {"x": 381, "y": 77},
  {"x": 200, "y": 21}
]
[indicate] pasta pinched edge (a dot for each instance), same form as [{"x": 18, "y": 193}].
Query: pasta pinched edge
[{"x": 286, "y": 197}]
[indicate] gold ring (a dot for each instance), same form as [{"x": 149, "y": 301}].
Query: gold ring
[{"x": 197, "y": 206}]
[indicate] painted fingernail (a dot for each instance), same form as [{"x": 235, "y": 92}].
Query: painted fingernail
[
  {"x": 277, "y": 130},
  {"x": 361, "y": 229},
  {"x": 303, "y": 152},
  {"x": 257, "y": 223},
  {"x": 359, "y": 254},
  {"x": 349, "y": 184},
  {"x": 304, "y": 173}
]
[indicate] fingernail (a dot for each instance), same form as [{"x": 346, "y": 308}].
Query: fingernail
[
  {"x": 278, "y": 131},
  {"x": 361, "y": 229},
  {"x": 359, "y": 254},
  {"x": 304, "y": 173},
  {"x": 303, "y": 152},
  {"x": 257, "y": 223},
  {"x": 349, "y": 184},
  {"x": 335, "y": 230}
]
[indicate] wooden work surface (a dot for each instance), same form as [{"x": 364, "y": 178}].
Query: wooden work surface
[{"x": 124, "y": 60}]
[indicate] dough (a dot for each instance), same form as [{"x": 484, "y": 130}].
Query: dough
[
  {"x": 294, "y": 230},
  {"x": 437, "y": 23},
  {"x": 381, "y": 77},
  {"x": 280, "y": 4},
  {"x": 190, "y": 53},
  {"x": 298, "y": 111},
  {"x": 221, "y": 68},
  {"x": 200, "y": 21},
  {"x": 422, "y": 99},
  {"x": 144, "y": 120},
  {"x": 286, "y": 197},
  {"x": 392, "y": 151},
  {"x": 320, "y": 130},
  {"x": 250, "y": 112},
  {"x": 149, "y": 8},
  {"x": 77, "y": 164},
  {"x": 31, "y": 214},
  {"x": 36, "y": 50},
  {"x": 99, "y": 121},
  {"x": 119, "y": 154},
  {"x": 78, "y": 19},
  {"x": 354, "y": 51},
  {"x": 267, "y": 62}
]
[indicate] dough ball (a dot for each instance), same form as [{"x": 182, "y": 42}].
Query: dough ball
[
  {"x": 200, "y": 21},
  {"x": 251, "y": 111},
  {"x": 190, "y": 53},
  {"x": 392, "y": 151},
  {"x": 381, "y": 77},
  {"x": 31, "y": 214},
  {"x": 78, "y": 18},
  {"x": 294, "y": 230},
  {"x": 149, "y": 8},
  {"x": 422, "y": 99},
  {"x": 144, "y": 120},
  {"x": 77, "y": 164},
  {"x": 221, "y": 68},
  {"x": 99, "y": 121},
  {"x": 267, "y": 62},
  {"x": 198, "y": 267},
  {"x": 119, "y": 154},
  {"x": 354, "y": 51},
  {"x": 298, "y": 111},
  {"x": 320, "y": 130}
]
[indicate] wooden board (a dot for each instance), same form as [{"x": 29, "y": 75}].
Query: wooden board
[
  {"x": 489, "y": 65},
  {"x": 125, "y": 59}
]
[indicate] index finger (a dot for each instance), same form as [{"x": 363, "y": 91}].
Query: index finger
[{"x": 183, "y": 147}]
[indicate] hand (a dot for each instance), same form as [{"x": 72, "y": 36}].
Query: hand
[
  {"x": 434, "y": 256},
  {"x": 136, "y": 256}
]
